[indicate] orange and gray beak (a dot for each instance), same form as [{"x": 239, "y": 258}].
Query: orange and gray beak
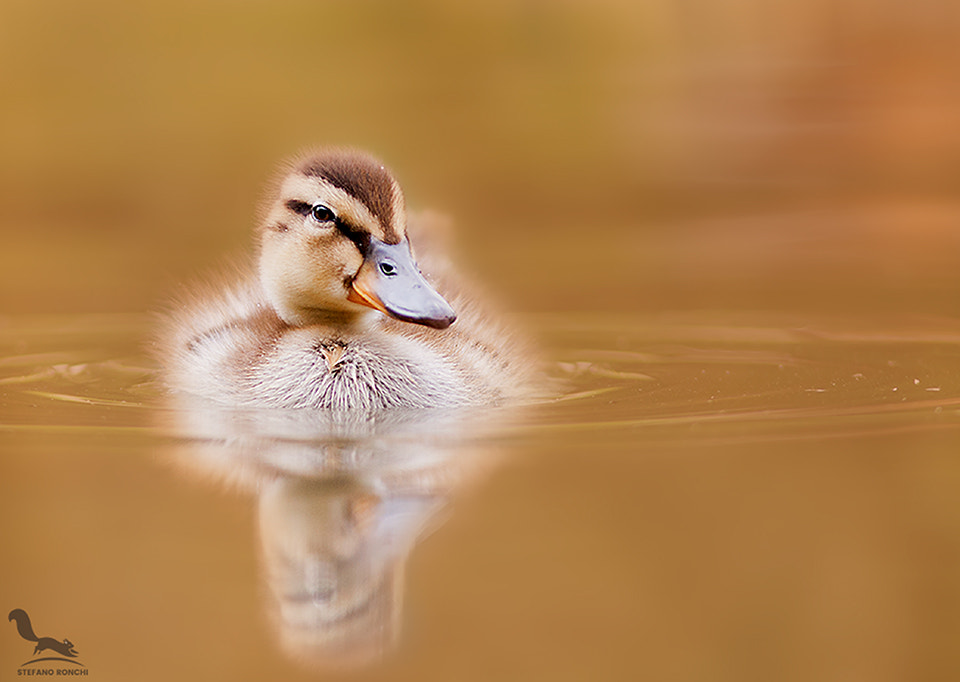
[{"x": 389, "y": 281}]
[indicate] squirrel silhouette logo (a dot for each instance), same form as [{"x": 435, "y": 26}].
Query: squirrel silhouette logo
[{"x": 64, "y": 648}]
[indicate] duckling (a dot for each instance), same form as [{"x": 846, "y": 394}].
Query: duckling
[{"x": 337, "y": 314}]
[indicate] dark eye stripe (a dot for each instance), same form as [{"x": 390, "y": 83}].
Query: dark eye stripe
[
  {"x": 301, "y": 207},
  {"x": 359, "y": 237}
]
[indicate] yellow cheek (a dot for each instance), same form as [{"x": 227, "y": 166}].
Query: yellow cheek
[
  {"x": 303, "y": 272},
  {"x": 332, "y": 260}
]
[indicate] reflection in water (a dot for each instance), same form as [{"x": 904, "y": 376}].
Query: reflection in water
[
  {"x": 343, "y": 497},
  {"x": 334, "y": 552}
]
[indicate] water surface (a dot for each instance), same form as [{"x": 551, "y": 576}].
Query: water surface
[{"x": 709, "y": 495}]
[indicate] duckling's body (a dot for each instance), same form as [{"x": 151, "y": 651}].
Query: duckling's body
[{"x": 339, "y": 315}]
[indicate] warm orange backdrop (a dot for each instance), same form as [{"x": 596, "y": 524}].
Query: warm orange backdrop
[{"x": 638, "y": 155}]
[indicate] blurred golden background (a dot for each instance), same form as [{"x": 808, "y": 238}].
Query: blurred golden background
[{"x": 617, "y": 155}]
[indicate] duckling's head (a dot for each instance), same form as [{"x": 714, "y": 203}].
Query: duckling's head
[{"x": 334, "y": 245}]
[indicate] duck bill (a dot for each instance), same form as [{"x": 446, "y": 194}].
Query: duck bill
[{"x": 389, "y": 281}]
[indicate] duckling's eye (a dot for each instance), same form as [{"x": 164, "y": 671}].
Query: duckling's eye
[
  {"x": 388, "y": 268},
  {"x": 322, "y": 214}
]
